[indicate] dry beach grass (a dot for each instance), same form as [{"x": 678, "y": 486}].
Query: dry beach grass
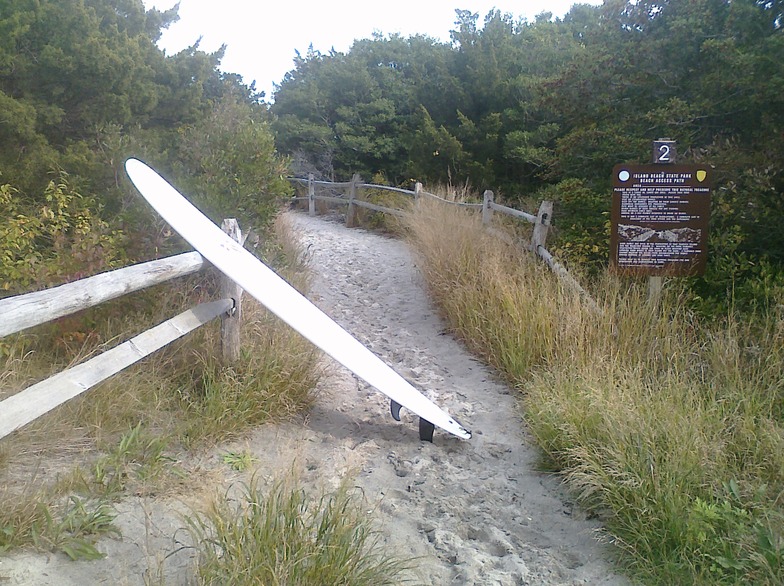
[{"x": 670, "y": 428}]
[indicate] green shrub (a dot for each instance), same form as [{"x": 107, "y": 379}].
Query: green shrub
[
  {"x": 228, "y": 165},
  {"x": 62, "y": 240},
  {"x": 581, "y": 223}
]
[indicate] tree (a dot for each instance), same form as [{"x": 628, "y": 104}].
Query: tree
[
  {"x": 553, "y": 104},
  {"x": 229, "y": 165},
  {"x": 83, "y": 86}
]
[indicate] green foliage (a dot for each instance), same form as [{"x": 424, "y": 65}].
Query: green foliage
[
  {"x": 581, "y": 221},
  {"x": 436, "y": 153},
  {"x": 746, "y": 250},
  {"x": 239, "y": 461},
  {"x": 358, "y": 113},
  {"x": 522, "y": 107},
  {"x": 735, "y": 538},
  {"x": 69, "y": 67},
  {"x": 71, "y": 527},
  {"x": 63, "y": 239},
  {"x": 273, "y": 379},
  {"x": 381, "y": 221},
  {"x": 735, "y": 279},
  {"x": 83, "y": 86},
  {"x": 74, "y": 532},
  {"x": 229, "y": 165},
  {"x": 138, "y": 458}
]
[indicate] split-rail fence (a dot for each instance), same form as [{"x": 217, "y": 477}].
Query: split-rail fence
[
  {"x": 31, "y": 309},
  {"x": 348, "y": 195}
]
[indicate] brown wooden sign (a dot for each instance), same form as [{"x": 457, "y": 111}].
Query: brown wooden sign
[{"x": 660, "y": 219}]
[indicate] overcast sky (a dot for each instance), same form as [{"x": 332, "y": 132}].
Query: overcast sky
[{"x": 262, "y": 35}]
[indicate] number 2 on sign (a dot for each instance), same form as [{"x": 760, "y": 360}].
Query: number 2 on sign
[{"x": 664, "y": 153}]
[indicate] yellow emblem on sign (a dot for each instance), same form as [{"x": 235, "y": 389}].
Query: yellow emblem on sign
[{"x": 701, "y": 175}]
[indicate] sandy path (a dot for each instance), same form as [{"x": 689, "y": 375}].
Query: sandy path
[
  {"x": 471, "y": 512},
  {"x": 474, "y": 511}
]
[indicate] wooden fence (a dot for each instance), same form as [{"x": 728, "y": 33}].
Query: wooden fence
[
  {"x": 541, "y": 220},
  {"x": 32, "y": 309}
]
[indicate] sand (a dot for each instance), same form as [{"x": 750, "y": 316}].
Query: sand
[{"x": 468, "y": 511}]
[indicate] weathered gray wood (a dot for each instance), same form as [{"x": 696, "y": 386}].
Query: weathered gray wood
[
  {"x": 332, "y": 199},
  {"x": 542, "y": 225},
  {"x": 250, "y": 238},
  {"x": 338, "y": 185},
  {"x": 32, "y": 309},
  {"x": 352, "y": 195},
  {"x": 378, "y": 208},
  {"x": 343, "y": 185},
  {"x": 230, "y": 321},
  {"x": 453, "y": 203},
  {"x": 487, "y": 207},
  {"x": 311, "y": 196},
  {"x": 29, "y": 404},
  {"x": 511, "y": 211},
  {"x": 655, "y": 286},
  {"x": 564, "y": 275},
  {"x": 417, "y": 196},
  {"x": 665, "y": 151},
  {"x": 387, "y": 188}
]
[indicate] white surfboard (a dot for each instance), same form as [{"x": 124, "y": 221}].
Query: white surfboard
[{"x": 283, "y": 300}]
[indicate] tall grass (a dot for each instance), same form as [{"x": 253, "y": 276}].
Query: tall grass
[
  {"x": 381, "y": 221},
  {"x": 670, "y": 428},
  {"x": 273, "y": 380},
  {"x": 285, "y": 537}
]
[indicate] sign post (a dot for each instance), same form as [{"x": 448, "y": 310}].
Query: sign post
[
  {"x": 664, "y": 153},
  {"x": 660, "y": 216}
]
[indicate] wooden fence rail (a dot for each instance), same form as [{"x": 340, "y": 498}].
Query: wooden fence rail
[
  {"x": 541, "y": 220},
  {"x": 32, "y": 309},
  {"x": 420, "y": 192},
  {"x": 29, "y": 404},
  {"x": 513, "y": 212}
]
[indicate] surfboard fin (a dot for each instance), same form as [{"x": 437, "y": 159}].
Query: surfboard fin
[
  {"x": 394, "y": 407},
  {"x": 426, "y": 430}
]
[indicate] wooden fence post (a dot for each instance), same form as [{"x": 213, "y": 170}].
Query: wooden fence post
[
  {"x": 311, "y": 196},
  {"x": 542, "y": 225},
  {"x": 664, "y": 153},
  {"x": 655, "y": 287},
  {"x": 230, "y": 321},
  {"x": 352, "y": 195},
  {"x": 487, "y": 211}
]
